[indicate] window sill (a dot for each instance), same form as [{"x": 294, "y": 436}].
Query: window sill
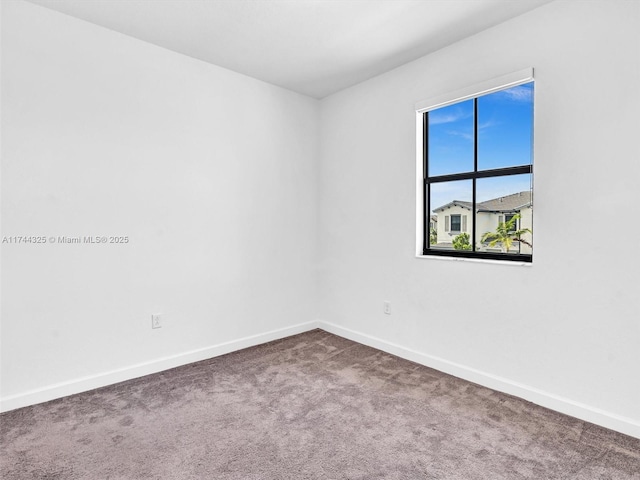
[{"x": 474, "y": 260}]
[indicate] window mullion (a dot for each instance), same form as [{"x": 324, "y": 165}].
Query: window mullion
[
  {"x": 475, "y": 171},
  {"x": 497, "y": 172},
  {"x": 426, "y": 233}
]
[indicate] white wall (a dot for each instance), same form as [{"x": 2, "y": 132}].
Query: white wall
[
  {"x": 211, "y": 175},
  {"x": 574, "y": 343}
]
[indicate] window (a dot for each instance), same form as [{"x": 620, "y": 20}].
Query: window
[
  {"x": 475, "y": 171},
  {"x": 455, "y": 223},
  {"x": 511, "y": 222}
]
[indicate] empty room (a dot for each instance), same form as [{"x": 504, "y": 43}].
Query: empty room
[{"x": 320, "y": 239}]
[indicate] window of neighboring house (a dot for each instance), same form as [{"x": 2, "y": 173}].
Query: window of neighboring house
[
  {"x": 455, "y": 223},
  {"x": 507, "y": 218},
  {"x": 476, "y": 171}
]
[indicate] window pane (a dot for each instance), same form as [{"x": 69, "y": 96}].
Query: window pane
[
  {"x": 451, "y": 215},
  {"x": 505, "y": 214},
  {"x": 451, "y": 139},
  {"x": 505, "y": 128}
]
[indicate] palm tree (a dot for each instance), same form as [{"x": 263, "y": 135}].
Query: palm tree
[{"x": 506, "y": 234}]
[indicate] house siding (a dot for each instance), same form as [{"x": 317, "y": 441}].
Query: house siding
[{"x": 444, "y": 237}]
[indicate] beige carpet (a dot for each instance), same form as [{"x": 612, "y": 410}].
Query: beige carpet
[{"x": 311, "y": 406}]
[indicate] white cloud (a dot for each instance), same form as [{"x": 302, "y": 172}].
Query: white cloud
[
  {"x": 458, "y": 133},
  {"x": 487, "y": 124},
  {"x": 437, "y": 118},
  {"x": 519, "y": 94}
]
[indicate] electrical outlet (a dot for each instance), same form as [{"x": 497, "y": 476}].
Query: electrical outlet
[
  {"x": 386, "y": 308},
  {"x": 156, "y": 321}
]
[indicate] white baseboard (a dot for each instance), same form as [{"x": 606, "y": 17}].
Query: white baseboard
[
  {"x": 51, "y": 392},
  {"x": 560, "y": 404},
  {"x": 579, "y": 410}
]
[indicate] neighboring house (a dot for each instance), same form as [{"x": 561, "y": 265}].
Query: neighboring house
[{"x": 455, "y": 218}]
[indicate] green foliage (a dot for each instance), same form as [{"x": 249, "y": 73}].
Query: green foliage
[
  {"x": 506, "y": 234},
  {"x": 461, "y": 242},
  {"x": 433, "y": 236}
]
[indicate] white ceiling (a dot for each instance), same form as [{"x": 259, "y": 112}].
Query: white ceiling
[{"x": 314, "y": 47}]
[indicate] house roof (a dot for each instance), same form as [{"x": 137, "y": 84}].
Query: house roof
[
  {"x": 508, "y": 203},
  {"x": 454, "y": 203}
]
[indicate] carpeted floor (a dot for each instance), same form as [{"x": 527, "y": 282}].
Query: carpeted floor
[{"x": 311, "y": 406}]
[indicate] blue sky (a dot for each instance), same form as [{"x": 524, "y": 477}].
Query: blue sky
[{"x": 504, "y": 139}]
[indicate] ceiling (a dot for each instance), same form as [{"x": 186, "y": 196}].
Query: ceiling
[{"x": 314, "y": 47}]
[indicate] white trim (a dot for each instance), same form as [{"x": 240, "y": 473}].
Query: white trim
[
  {"x": 420, "y": 217},
  {"x": 482, "y": 88},
  {"x": 63, "y": 389},
  {"x": 560, "y": 404}
]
